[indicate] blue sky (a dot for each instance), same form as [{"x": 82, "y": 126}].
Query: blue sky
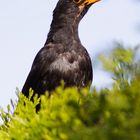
[{"x": 24, "y": 26}]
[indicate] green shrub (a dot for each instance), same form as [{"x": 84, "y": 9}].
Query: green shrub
[{"x": 69, "y": 114}]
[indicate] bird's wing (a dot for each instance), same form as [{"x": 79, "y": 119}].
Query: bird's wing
[{"x": 39, "y": 68}]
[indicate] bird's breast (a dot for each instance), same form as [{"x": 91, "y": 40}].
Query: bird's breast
[{"x": 64, "y": 64}]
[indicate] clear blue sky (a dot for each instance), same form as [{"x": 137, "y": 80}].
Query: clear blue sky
[{"x": 24, "y": 26}]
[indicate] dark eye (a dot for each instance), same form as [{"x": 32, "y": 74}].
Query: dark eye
[{"x": 77, "y": 1}]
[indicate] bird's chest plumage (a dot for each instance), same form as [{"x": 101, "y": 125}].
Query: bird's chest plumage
[
  {"x": 66, "y": 62},
  {"x": 69, "y": 65}
]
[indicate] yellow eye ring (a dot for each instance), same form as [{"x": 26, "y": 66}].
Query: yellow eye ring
[
  {"x": 85, "y": 2},
  {"x": 77, "y": 1}
]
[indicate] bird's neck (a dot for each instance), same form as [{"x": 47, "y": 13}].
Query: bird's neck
[{"x": 64, "y": 29}]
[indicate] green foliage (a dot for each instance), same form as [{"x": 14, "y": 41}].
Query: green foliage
[
  {"x": 122, "y": 64},
  {"x": 69, "y": 114}
]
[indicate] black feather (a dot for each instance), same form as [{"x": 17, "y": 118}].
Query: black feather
[{"x": 62, "y": 57}]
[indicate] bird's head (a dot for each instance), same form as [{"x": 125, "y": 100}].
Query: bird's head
[{"x": 79, "y": 7}]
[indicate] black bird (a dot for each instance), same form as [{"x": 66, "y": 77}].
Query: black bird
[{"x": 63, "y": 57}]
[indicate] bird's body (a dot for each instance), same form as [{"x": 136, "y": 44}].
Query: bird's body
[{"x": 63, "y": 57}]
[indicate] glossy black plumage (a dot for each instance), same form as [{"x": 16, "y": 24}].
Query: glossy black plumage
[{"x": 63, "y": 57}]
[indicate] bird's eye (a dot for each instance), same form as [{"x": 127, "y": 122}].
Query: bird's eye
[{"x": 77, "y": 1}]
